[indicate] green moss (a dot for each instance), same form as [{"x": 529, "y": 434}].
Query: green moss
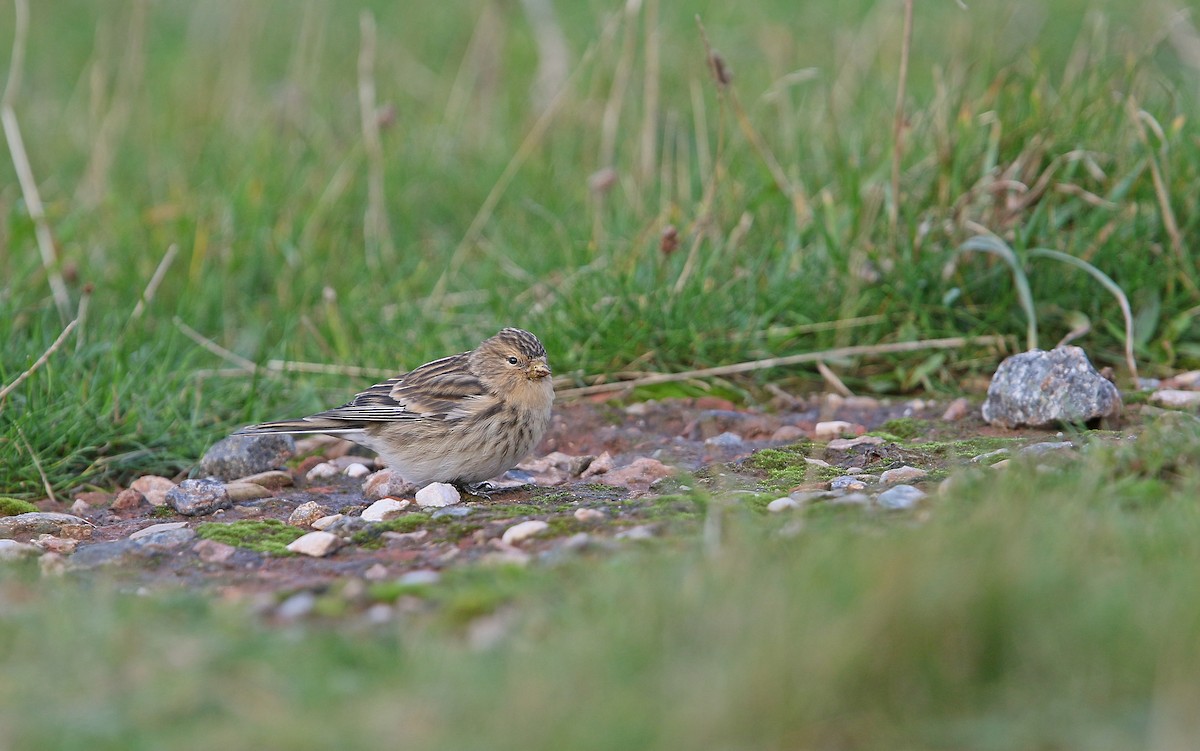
[
  {"x": 470, "y": 592},
  {"x": 14, "y": 506},
  {"x": 370, "y": 536},
  {"x": 264, "y": 536},
  {"x": 162, "y": 512},
  {"x": 903, "y": 428},
  {"x": 785, "y": 466}
]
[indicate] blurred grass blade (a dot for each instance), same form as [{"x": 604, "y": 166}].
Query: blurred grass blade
[{"x": 997, "y": 247}]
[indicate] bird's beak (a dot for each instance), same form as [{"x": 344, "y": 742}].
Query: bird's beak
[{"x": 537, "y": 370}]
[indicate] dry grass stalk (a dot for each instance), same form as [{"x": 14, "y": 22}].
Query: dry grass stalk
[
  {"x": 898, "y": 119},
  {"x": 231, "y": 357},
  {"x": 376, "y": 231},
  {"x": 45, "y": 356},
  {"x": 155, "y": 280}
]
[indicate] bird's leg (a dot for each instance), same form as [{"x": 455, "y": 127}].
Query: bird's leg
[{"x": 482, "y": 489}]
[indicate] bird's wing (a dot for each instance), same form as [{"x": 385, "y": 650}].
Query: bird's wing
[{"x": 440, "y": 390}]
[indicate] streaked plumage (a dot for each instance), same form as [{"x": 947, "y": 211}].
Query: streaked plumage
[{"x": 463, "y": 418}]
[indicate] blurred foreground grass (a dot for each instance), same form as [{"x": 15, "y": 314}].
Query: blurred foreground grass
[
  {"x": 1024, "y": 610},
  {"x": 232, "y": 131}
]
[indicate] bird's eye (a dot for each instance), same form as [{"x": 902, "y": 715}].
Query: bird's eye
[{"x": 512, "y": 361}]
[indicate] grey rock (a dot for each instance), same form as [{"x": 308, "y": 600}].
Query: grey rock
[
  {"x": 456, "y": 512},
  {"x": 1040, "y": 388},
  {"x": 130, "y": 550},
  {"x": 161, "y": 542},
  {"x": 1046, "y": 447},
  {"x": 45, "y": 522},
  {"x": 724, "y": 440},
  {"x": 198, "y": 497},
  {"x": 902, "y": 474},
  {"x": 422, "y": 577},
  {"x": 11, "y": 550},
  {"x": 241, "y": 455},
  {"x": 847, "y": 482},
  {"x": 900, "y": 497},
  {"x": 296, "y": 606},
  {"x": 156, "y": 528}
]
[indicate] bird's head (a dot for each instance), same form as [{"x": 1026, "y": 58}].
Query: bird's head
[{"x": 512, "y": 357}]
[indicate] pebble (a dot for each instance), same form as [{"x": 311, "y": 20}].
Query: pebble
[
  {"x": 641, "y": 473},
  {"x": 1046, "y": 447},
  {"x": 422, "y": 577},
  {"x": 847, "y": 482},
  {"x": 241, "y": 455},
  {"x": 155, "y": 488},
  {"x": 957, "y": 410},
  {"x": 1038, "y": 388},
  {"x": 384, "y": 510},
  {"x": 45, "y": 522},
  {"x": 315, "y": 544},
  {"x": 11, "y": 550},
  {"x": 831, "y": 429},
  {"x": 454, "y": 512},
  {"x": 901, "y": 474},
  {"x": 640, "y": 532},
  {"x": 523, "y": 530},
  {"x": 788, "y": 433},
  {"x": 357, "y": 470},
  {"x": 52, "y": 544},
  {"x": 323, "y": 471},
  {"x": 80, "y": 507},
  {"x": 377, "y": 572},
  {"x": 272, "y": 478},
  {"x": 568, "y": 463},
  {"x": 307, "y": 514},
  {"x": 325, "y": 521},
  {"x": 1176, "y": 399},
  {"x": 1000, "y": 464},
  {"x": 589, "y": 515},
  {"x": 845, "y": 444},
  {"x": 245, "y": 491},
  {"x": 900, "y": 497},
  {"x": 405, "y": 538},
  {"x": 437, "y": 494},
  {"x": 600, "y": 465},
  {"x": 157, "y": 528},
  {"x": 211, "y": 551},
  {"x": 724, "y": 440},
  {"x": 387, "y": 484},
  {"x": 163, "y": 540},
  {"x": 128, "y": 499},
  {"x": 128, "y": 550},
  {"x": 198, "y": 497},
  {"x": 782, "y": 504},
  {"x": 989, "y": 455},
  {"x": 296, "y": 606}
]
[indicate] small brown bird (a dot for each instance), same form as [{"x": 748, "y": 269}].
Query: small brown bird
[{"x": 460, "y": 419}]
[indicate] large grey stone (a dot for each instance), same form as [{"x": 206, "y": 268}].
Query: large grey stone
[
  {"x": 241, "y": 455},
  {"x": 130, "y": 550},
  {"x": 196, "y": 497},
  {"x": 45, "y": 522},
  {"x": 1039, "y": 388}
]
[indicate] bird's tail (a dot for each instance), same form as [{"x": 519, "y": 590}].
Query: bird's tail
[{"x": 300, "y": 425}]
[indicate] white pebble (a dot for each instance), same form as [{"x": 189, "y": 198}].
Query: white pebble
[
  {"x": 902, "y": 474},
  {"x": 326, "y": 521},
  {"x": 782, "y": 504},
  {"x": 157, "y": 528},
  {"x": 824, "y": 431},
  {"x": 588, "y": 515},
  {"x": 518, "y": 532},
  {"x": 322, "y": 471},
  {"x": 384, "y": 509},
  {"x": 437, "y": 494},
  {"x": 316, "y": 544},
  {"x": 357, "y": 470}
]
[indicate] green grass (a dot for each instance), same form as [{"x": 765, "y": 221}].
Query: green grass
[
  {"x": 1028, "y": 610},
  {"x": 232, "y": 131},
  {"x": 264, "y": 536}
]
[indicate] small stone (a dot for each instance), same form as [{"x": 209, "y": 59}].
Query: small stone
[
  {"x": 1039, "y": 388},
  {"x": 902, "y": 474},
  {"x": 128, "y": 500},
  {"x": 211, "y": 551},
  {"x": 817, "y": 462},
  {"x": 599, "y": 465},
  {"x": 45, "y": 522},
  {"x": 782, "y": 504},
  {"x": 825, "y": 431},
  {"x": 198, "y": 497},
  {"x": 245, "y": 491},
  {"x": 153, "y": 528},
  {"x": 724, "y": 440},
  {"x": 847, "y": 482},
  {"x": 1000, "y": 464},
  {"x": 325, "y": 521},
  {"x": 296, "y": 606},
  {"x": 453, "y": 512},
  {"x": 307, "y": 514},
  {"x": 566, "y": 463},
  {"x": 983, "y": 458},
  {"x": 315, "y": 544},
  {"x": 11, "y": 550},
  {"x": 437, "y": 494},
  {"x": 387, "y": 483},
  {"x": 1046, "y": 447},
  {"x": 384, "y": 510},
  {"x": 162, "y": 541},
  {"x": 589, "y": 515},
  {"x": 80, "y": 507},
  {"x": 322, "y": 471},
  {"x": 900, "y": 497},
  {"x": 155, "y": 488},
  {"x": 524, "y": 530},
  {"x": 52, "y": 544},
  {"x": 957, "y": 410},
  {"x": 1176, "y": 399},
  {"x": 507, "y": 557},
  {"x": 640, "y": 532},
  {"x": 845, "y": 444},
  {"x": 1189, "y": 380},
  {"x": 640, "y": 474},
  {"x": 377, "y": 572},
  {"x": 241, "y": 455},
  {"x": 788, "y": 433},
  {"x": 422, "y": 577},
  {"x": 405, "y": 538},
  {"x": 357, "y": 470},
  {"x": 272, "y": 479}
]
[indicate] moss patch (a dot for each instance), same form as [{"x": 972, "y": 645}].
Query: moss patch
[
  {"x": 14, "y": 506},
  {"x": 265, "y": 536},
  {"x": 785, "y": 466},
  {"x": 904, "y": 428}
]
